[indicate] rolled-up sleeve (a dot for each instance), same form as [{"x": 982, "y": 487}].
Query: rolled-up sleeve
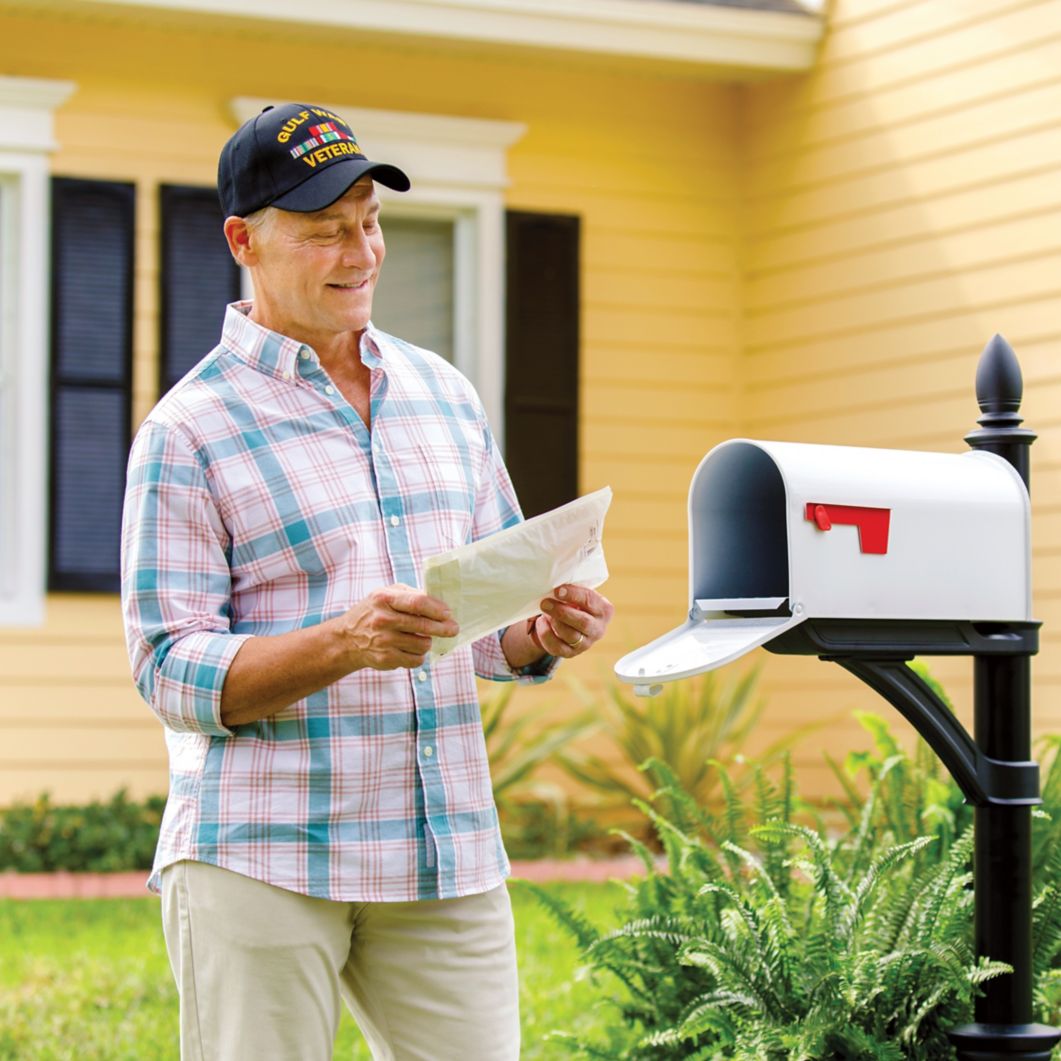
[
  {"x": 176, "y": 583},
  {"x": 497, "y": 508}
]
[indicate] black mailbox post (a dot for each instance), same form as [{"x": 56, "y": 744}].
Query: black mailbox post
[
  {"x": 1003, "y": 728},
  {"x": 731, "y": 614}
]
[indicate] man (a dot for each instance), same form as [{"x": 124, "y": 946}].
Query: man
[{"x": 330, "y": 827}]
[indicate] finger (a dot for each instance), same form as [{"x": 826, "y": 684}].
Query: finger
[
  {"x": 412, "y": 644},
  {"x": 554, "y": 645},
  {"x": 420, "y": 614},
  {"x": 570, "y": 635},
  {"x": 406, "y": 652},
  {"x": 580, "y": 620},
  {"x": 410, "y": 601},
  {"x": 557, "y": 643},
  {"x": 580, "y": 597},
  {"x": 417, "y": 624},
  {"x": 589, "y": 601},
  {"x": 577, "y": 619}
]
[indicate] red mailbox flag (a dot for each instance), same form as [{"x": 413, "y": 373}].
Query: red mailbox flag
[{"x": 872, "y": 523}]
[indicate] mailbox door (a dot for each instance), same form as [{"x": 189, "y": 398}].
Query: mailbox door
[{"x": 698, "y": 646}]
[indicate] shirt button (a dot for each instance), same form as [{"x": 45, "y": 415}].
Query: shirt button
[
  {"x": 287, "y": 375},
  {"x": 428, "y": 751},
  {"x": 395, "y": 521},
  {"x": 421, "y": 676},
  {"x": 304, "y": 355},
  {"x": 329, "y": 389}
]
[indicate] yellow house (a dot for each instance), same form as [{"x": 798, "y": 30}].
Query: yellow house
[{"x": 721, "y": 219}]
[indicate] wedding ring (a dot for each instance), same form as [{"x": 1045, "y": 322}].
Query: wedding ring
[{"x": 578, "y": 641}]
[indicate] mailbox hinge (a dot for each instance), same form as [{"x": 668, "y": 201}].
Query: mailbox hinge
[{"x": 982, "y": 780}]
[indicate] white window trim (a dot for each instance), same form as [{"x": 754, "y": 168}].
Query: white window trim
[
  {"x": 458, "y": 171},
  {"x": 27, "y": 107}
]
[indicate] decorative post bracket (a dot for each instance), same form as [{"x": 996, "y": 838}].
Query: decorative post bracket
[{"x": 982, "y": 780}]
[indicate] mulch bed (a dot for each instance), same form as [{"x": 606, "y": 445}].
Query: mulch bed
[{"x": 63, "y": 885}]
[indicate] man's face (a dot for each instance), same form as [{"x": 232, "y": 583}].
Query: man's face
[{"x": 314, "y": 274}]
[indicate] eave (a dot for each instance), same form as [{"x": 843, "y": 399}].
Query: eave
[{"x": 736, "y": 42}]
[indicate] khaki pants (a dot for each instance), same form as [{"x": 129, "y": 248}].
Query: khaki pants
[{"x": 261, "y": 970}]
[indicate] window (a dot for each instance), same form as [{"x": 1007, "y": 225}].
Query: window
[
  {"x": 26, "y": 140},
  {"x": 92, "y": 351},
  {"x": 415, "y": 299}
]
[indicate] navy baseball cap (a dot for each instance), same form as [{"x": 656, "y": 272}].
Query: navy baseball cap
[{"x": 297, "y": 157}]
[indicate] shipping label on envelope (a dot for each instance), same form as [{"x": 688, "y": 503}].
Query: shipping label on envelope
[{"x": 502, "y": 579}]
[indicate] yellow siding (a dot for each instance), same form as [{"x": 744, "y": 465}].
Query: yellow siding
[
  {"x": 647, "y": 161},
  {"x": 902, "y": 206},
  {"x": 818, "y": 258},
  {"x": 70, "y": 720}
]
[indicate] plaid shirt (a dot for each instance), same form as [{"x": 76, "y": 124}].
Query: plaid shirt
[{"x": 258, "y": 502}]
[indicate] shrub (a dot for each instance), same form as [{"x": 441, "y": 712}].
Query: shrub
[
  {"x": 42, "y": 836},
  {"x": 767, "y": 939},
  {"x": 546, "y": 828}
]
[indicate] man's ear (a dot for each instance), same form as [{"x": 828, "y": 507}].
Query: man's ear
[{"x": 239, "y": 241}]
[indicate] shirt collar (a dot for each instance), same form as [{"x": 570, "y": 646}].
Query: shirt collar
[{"x": 279, "y": 355}]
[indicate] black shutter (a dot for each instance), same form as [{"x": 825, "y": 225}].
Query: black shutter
[
  {"x": 541, "y": 358},
  {"x": 93, "y": 224},
  {"x": 198, "y": 278}
]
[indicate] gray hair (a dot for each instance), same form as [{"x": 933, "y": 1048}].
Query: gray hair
[{"x": 258, "y": 220}]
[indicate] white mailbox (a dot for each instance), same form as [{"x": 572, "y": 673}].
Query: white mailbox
[{"x": 781, "y": 533}]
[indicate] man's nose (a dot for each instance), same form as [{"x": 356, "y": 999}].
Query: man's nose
[{"x": 358, "y": 250}]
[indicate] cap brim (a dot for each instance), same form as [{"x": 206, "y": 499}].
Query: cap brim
[{"x": 323, "y": 188}]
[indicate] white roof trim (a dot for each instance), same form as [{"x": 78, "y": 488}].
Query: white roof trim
[{"x": 703, "y": 34}]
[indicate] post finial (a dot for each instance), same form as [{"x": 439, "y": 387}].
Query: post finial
[
  {"x": 999, "y": 389},
  {"x": 999, "y": 383}
]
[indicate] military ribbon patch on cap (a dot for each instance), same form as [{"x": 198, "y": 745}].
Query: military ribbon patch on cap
[{"x": 319, "y": 135}]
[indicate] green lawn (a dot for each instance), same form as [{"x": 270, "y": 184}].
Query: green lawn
[{"x": 89, "y": 979}]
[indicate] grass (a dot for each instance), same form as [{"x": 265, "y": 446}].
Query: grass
[{"x": 88, "y": 980}]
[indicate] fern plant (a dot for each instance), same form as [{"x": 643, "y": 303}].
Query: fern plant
[
  {"x": 765, "y": 939},
  {"x": 1046, "y": 872}
]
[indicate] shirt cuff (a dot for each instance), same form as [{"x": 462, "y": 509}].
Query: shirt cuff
[
  {"x": 188, "y": 684},
  {"x": 539, "y": 671},
  {"x": 490, "y": 663}
]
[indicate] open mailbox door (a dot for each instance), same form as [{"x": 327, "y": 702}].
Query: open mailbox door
[{"x": 781, "y": 533}]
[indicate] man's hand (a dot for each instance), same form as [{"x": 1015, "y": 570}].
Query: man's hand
[
  {"x": 573, "y": 620},
  {"x": 392, "y": 627}
]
